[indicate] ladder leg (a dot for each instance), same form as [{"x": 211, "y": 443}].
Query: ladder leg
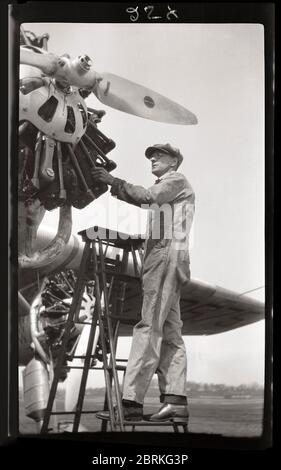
[
  {"x": 136, "y": 265},
  {"x": 176, "y": 429},
  {"x": 115, "y": 336},
  {"x": 76, "y": 302},
  {"x": 110, "y": 333},
  {"x": 140, "y": 251},
  {"x": 102, "y": 337},
  {"x": 105, "y": 406},
  {"x": 87, "y": 363}
]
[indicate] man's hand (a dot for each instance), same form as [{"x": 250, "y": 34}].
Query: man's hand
[{"x": 101, "y": 175}]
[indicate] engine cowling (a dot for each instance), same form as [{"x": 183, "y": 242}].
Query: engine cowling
[{"x": 60, "y": 113}]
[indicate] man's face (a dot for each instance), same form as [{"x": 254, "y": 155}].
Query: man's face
[{"x": 162, "y": 162}]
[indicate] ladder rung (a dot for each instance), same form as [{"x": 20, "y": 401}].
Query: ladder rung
[
  {"x": 82, "y": 357},
  {"x": 146, "y": 422},
  {"x": 127, "y": 278},
  {"x": 123, "y": 368},
  {"x": 122, "y": 277},
  {"x": 73, "y": 412},
  {"x": 117, "y": 367},
  {"x": 93, "y": 356},
  {"x": 123, "y": 319},
  {"x": 75, "y": 367}
]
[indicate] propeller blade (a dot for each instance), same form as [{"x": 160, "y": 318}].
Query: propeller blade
[
  {"x": 41, "y": 59},
  {"x": 132, "y": 98},
  {"x": 73, "y": 380}
]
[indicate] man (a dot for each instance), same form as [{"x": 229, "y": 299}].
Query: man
[{"x": 157, "y": 344}]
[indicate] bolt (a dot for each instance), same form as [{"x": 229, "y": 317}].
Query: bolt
[
  {"x": 24, "y": 109},
  {"x": 148, "y": 101},
  {"x": 50, "y": 172}
]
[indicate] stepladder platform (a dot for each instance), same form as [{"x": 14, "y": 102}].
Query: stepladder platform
[{"x": 146, "y": 423}]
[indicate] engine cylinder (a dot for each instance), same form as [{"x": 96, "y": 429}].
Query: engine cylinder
[{"x": 36, "y": 389}]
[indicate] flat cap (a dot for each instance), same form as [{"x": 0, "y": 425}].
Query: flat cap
[{"x": 166, "y": 148}]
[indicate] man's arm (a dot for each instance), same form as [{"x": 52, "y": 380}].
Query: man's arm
[
  {"x": 165, "y": 191},
  {"x": 131, "y": 193}
]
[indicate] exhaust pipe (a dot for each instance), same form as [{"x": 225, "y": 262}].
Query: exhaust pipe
[{"x": 46, "y": 256}]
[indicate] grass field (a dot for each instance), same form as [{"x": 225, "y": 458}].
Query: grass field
[{"x": 236, "y": 417}]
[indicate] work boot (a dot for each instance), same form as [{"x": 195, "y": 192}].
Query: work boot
[
  {"x": 132, "y": 411},
  {"x": 171, "y": 412}
]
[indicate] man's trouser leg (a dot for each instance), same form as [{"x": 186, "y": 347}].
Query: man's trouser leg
[
  {"x": 161, "y": 292},
  {"x": 172, "y": 367}
]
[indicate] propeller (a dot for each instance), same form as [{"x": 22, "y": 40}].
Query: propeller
[{"x": 112, "y": 90}]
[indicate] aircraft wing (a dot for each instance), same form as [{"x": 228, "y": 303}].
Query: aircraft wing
[{"x": 205, "y": 309}]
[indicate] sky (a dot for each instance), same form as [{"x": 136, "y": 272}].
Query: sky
[{"x": 217, "y": 72}]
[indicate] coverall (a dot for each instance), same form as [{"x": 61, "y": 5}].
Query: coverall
[{"x": 157, "y": 344}]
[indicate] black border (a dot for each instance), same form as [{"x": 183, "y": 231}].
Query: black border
[{"x": 73, "y": 448}]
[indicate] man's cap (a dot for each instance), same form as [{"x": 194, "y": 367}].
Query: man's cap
[{"x": 166, "y": 148}]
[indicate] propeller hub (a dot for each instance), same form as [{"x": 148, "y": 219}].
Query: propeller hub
[{"x": 85, "y": 62}]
